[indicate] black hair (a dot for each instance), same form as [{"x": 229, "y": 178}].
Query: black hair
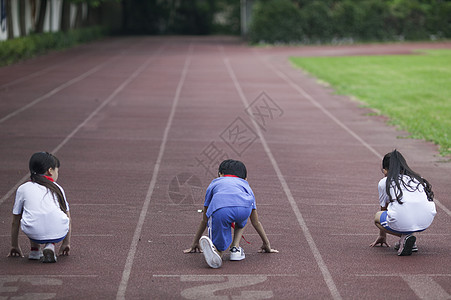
[
  {"x": 39, "y": 164},
  {"x": 396, "y": 165},
  {"x": 233, "y": 167}
]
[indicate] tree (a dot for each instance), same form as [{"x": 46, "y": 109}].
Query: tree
[
  {"x": 39, "y": 26},
  {"x": 9, "y": 20},
  {"x": 65, "y": 16},
  {"x": 22, "y": 27}
]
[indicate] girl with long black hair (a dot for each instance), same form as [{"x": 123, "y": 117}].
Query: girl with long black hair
[
  {"x": 406, "y": 201},
  {"x": 41, "y": 211}
]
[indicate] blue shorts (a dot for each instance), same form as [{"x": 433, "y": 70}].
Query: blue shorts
[
  {"x": 48, "y": 241},
  {"x": 220, "y": 224},
  {"x": 384, "y": 224}
]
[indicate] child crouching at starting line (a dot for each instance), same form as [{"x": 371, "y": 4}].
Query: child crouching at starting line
[
  {"x": 41, "y": 211},
  {"x": 229, "y": 199}
]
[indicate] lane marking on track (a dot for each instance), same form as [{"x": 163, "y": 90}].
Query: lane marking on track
[
  {"x": 340, "y": 204},
  {"x": 423, "y": 285},
  {"x": 372, "y": 234},
  {"x": 62, "y": 87},
  {"x": 99, "y": 108},
  {"x": 97, "y": 204},
  {"x": 50, "y": 275},
  {"x": 221, "y": 275},
  {"x": 51, "y": 93},
  {"x": 230, "y": 286},
  {"x": 308, "y": 236},
  {"x": 72, "y": 235},
  {"x": 134, "y": 244},
  {"x": 45, "y": 70},
  {"x": 190, "y": 234},
  {"x": 312, "y": 100}
]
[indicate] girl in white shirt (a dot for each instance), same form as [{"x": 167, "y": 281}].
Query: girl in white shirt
[
  {"x": 406, "y": 201},
  {"x": 41, "y": 211}
]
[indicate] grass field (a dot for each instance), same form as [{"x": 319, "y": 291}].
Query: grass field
[{"x": 414, "y": 91}]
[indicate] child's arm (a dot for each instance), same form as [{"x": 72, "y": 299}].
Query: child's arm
[
  {"x": 266, "y": 247},
  {"x": 15, "y": 248},
  {"x": 382, "y": 238},
  {"x": 200, "y": 230},
  {"x": 65, "y": 246}
]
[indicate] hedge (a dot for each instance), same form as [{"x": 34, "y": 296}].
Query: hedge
[
  {"x": 275, "y": 21},
  {"x": 18, "y": 49},
  {"x": 319, "y": 21}
]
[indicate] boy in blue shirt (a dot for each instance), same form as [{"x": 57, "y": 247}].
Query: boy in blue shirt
[{"x": 229, "y": 199}]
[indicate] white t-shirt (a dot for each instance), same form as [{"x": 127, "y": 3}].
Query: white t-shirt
[
  {"x": 42, "y": 218},
  {"x": 416, "y": 213}
]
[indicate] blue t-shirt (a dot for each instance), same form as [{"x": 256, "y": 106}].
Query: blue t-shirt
[{"x": 228, "y": 191}]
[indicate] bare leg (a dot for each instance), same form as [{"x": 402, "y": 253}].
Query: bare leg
[
  {"x": 237, "y": 234},
  {"x": 377, "y": 221}
]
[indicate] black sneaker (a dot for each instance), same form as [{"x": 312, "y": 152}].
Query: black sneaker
[
  {"x": 414, "y": 248},
  {"x": 406, "y": 244}
]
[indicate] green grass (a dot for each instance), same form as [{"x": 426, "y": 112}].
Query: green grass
[{"x": 414, "y": 91}]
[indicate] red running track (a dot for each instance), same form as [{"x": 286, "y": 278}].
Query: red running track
[{"x": 140, "y": 124}]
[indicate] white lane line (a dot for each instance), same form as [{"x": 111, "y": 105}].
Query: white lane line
[
  {"x": 52, "y": 92},
  {"x": 72, "y": 235},
  {"x": 318, "y": 258},
  {"x": 45, "y": 70},
  {"x": 423, "y": 285},
  {"x": 372, "y": 234},
  {"x": 97, "y": 204},
  {"x": 400, "y": 275},
  {"x": 134, "y": 244},
  {"x": 190, "y": 234},
  {"x": 221, "y": 275},
  {"x": 49, "y": 275},
  {"x": 100, "y": 107},
  {"x": 61, "y": 87},
  {"x": 338, "y": 122},
  {"x": 91, "y": 235},
  {"x": 342, "y": 204}
]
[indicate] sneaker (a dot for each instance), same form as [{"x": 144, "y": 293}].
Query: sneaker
[
  {"x": 414, "y": 248},
  {"x": 211, "y": 255},
  {"x": 35, "y": 255},
  {"x": 406, "y": 244},
  {"x": 49, "y": 253},
  {"x": 237, "y": 253}
]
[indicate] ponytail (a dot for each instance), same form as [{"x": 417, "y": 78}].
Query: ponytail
[
  {"x": 396, "y": 166},
  {"x": 39, "y": 164}
]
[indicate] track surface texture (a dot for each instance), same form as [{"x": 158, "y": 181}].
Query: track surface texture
[{"x": 140, "y": 125}]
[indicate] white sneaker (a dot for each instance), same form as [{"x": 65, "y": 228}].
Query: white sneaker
[
  {"x": 35, "y": 254},
  {"x": 49, "y": 253},
  {"x": 211, "y": 255},
  {"x": 237, "y": 253}
]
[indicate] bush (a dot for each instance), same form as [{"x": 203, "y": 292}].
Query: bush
[
  {"x": 317, "y": 21},
  {"x": 411, "y": 15},
  {"x": 372, "y": 21},
  {"x": 18, "y": 49},
  {"x": 275, "y": 21},
  {"x": 324, "y": 21},
  {"x": 439, "y": 20}
]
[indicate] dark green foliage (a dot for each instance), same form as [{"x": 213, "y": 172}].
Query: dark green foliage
[
  {"x": 317, "y": 21},
  {"x": 324, "y": 21},
  {"x": 26, "y": 47},
  {"x": 276, "y": 21},
  {"x": 171, "y": 17}
]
